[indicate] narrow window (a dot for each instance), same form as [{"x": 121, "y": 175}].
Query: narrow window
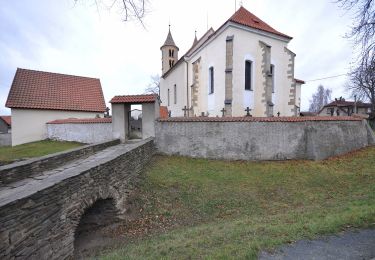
[
  {"x": 211, "y": 80},
  {"x": 248, "y": 65},
  {"x": 168, "y": 97},
  {"x": 170, "y": 64},
  {"x": 272, "y": 71},
  {"x": 175, "y": 94},
  {"x": 172, "y": 53}
]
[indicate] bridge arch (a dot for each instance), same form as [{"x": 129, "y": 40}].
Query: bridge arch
[{"x": 98, "y": 211}]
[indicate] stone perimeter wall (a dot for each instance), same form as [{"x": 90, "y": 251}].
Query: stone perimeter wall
[
  {"x": 24, "y": 169},
  {"x": 83, "y": 133},
  {"x": 313, "y": 140},
  {"x": 42, "y": 225}
]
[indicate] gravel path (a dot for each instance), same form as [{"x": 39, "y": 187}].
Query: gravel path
[{"x": 348, "y": 245}]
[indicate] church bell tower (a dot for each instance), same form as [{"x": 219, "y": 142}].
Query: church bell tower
[{"x": 169, "y": 53}]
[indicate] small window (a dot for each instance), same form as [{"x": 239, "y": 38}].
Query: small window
[
  {"x": 272, "y": 72},
  {"x": 211, "y": 81},
  {"x": 175, "y": 93},
  {"x": 172, "y": 53},
  {"x": 168, "y": 97},
  {"x": 248, "y": 68}
]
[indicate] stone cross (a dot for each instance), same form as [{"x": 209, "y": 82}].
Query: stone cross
[
  {"x": 106, "y": 112},
  {"x": 185, "y": 109},
  {"x": 278, "y": 114},
  {"x": 223, "y": 111},
  {"x": 247, "y": 110}
]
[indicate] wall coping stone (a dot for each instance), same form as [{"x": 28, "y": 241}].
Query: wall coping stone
[
  {"x": 24, "y": 169},
  {"x": 259, "y": 119}
]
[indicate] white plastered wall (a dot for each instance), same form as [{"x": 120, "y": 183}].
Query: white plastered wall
[{"x": 29, "y": 125}]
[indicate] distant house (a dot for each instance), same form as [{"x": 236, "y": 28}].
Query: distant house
[
  {"x": 5, "y": 124},
  {"x": 37, "y": 97},
  {"x": 341, "y": 107}
]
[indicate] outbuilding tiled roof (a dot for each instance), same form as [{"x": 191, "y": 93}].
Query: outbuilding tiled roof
[
  {"x": 260, "y": 119},
  {"x": 134, "y": 99},
  {"x": 163, "y": 112},
  {"x": 299, "y": 81},
  {"x": 82, "y": 121},
  {"x": 47, "y": 90},
  {"x": 244, "y": 17},
  {"x": 344, "y": 103},
  {"x": 7, "y": 120}
]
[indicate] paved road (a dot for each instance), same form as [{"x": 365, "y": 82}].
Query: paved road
[{"x": 349, "y": 245}]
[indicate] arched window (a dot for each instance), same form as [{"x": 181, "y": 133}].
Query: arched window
[
  {"x": 248, "y": 75},
  {"x": 211, "y": 80},
  {"x": 272, "y": 72}
]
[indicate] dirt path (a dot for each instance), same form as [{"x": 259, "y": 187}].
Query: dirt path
[{"x": 347, "y": 245}]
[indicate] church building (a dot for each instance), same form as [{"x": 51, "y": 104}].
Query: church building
[{"x": 242, "y": 68}]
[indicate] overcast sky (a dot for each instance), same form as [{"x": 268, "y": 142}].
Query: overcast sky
[{"x": 59, "y": 36}]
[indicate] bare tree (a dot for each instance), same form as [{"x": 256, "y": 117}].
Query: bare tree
[
  {"x": 154, "y": 86},
  {"x": 362, "y": 83},
  {"x": 363, "y": 30},
  {"x": 130, "y": 9},
  {"x": 319, "y": 99}
]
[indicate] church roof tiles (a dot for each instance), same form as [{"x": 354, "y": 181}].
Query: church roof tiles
[{"x": 244, "y": 17}]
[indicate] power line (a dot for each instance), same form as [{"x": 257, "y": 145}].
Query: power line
[{"x": 336, "y": 76}]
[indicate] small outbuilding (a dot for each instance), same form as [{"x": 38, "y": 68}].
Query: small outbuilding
[{"x": 38, "y": 97}]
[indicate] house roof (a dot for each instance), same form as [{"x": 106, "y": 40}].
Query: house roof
[
  {"x": 46, "y": 90},
  {"x": 163, "y": 112},
  {"x": 344, "y": 103},
  {"x": 245, "y": 17},
  {"x": 7, "y": 120},
  {"x": 260, "y": 119},
  {"x": 134, "y": 99},
  {"x": 105, "y": 120}
]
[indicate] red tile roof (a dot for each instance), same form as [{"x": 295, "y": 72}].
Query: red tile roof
[
  {"x": 134, "y": 99},
  {"x": 7, "y": 120},
  {"x": 47, "y": 90},
  {"x": 244, "y": 17},
  {"x": 163, "y": 112},
  {"x": 259, "y": 119},
  {"x": 344, "y": 103},
  {"x": 82, "y": 121}
]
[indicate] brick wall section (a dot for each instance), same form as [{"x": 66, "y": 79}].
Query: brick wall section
[
  {"x": 261, "y": 138},
  {"x": 228, "y": 76},
  {"x": 41, "y": 224},
  {"x": 292, "y": 82},
  {"x": 267, "y": 78},
  {"x": 32, "y": 167}
]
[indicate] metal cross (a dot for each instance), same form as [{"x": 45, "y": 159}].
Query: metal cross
[
  {"x": 106, "y": 112},
  {"x": 247, "y": 110},
  {"x": 223, "y": 111},
  {"x": 278, "y": 114},
  {"x": 185, "y": 109}
]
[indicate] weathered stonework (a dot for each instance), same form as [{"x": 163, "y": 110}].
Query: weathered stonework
[
  {"x": 267, "y": 79},
  {"x": 228, "y": 76},
  {"x": 39, "y": 216},
  {"x": 292, "y": 84},
  {"x": 195, "y": 87}
]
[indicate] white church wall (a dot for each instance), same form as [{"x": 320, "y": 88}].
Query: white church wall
[{"x": 178, "y": 77}]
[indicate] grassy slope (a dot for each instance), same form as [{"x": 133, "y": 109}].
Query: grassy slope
[
  {"x": 234, "y": 209},
  {"x": 34, "y": 149}
]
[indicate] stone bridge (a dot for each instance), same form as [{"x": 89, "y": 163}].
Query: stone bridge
[{"x": 41, "y": 215}]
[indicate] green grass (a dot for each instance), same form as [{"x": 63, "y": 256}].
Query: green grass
[
  {"x": 34, "y": 149},
  {"x": 225, "y": 210}
]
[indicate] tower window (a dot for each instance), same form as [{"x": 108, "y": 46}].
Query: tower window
[
  {"x": 211, "y": 80},
  {"x": 170, "y": 63},
  {"x": 248, "y": 68}
]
